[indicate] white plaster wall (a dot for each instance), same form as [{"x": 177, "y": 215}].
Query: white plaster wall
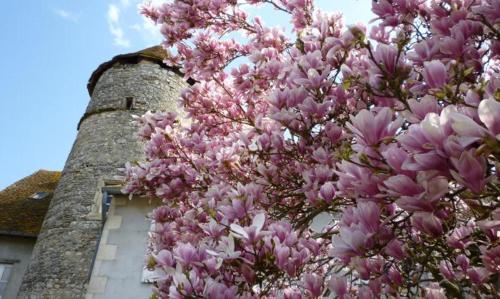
[
  {"x": 15, "y": 249},
  {"x": 120, "y": 258}
]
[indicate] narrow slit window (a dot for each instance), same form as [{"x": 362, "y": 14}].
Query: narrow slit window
[{"x": 129, "y": 103}]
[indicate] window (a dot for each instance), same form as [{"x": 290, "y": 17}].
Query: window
[
  {"x": 129, "y": 103},
  {"x": 5, "y": 270},
  {"x": 39, "y": 195}
]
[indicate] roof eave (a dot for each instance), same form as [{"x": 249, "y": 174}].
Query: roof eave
[{"x": 17, "y": 234}]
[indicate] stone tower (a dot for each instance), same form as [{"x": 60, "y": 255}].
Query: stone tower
[{"x": 128, "y": 84}]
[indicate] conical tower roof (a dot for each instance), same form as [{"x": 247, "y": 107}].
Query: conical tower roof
[{"x": 156, "y": 54}]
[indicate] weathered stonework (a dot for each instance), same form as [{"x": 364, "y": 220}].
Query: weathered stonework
[{"x": 62, "y": 258}]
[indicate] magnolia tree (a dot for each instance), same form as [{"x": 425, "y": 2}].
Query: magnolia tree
[{"x": 328, "y": 161}]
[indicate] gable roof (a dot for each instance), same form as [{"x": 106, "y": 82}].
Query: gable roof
[{"x": 21, "y": 213}]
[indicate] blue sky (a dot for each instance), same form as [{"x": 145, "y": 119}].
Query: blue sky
[{"x": 49, "y": 49}]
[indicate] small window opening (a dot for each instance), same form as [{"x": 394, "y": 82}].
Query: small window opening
[
  {"x": 39, "y": 195},
  {"x": 129, "y": 103}
]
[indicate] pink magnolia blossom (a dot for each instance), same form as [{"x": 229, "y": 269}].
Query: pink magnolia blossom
[
  {"x": 435, "y": 74},
  {"x": 372, "y": 129},
  {"x": 471, "y": 171},
  {"x": 314, "y": 284},
  {"x": 338, "y": 285},
  {"x": 463, "y": 262},
  {"x": 427, "y": 223},
  {"x": 488, "y": 111},
  {"x": 327, "y": 191},
  {"x": 395, "y": 249},
  {"x": 491, "y": 259},
  {"x": 434, "y": 292},
  {"x": 325, "y": 159},
  {"x": 446, "y": 268},
  {"x": 460, "y": 237},
  {"x": 477, "y": 275}
]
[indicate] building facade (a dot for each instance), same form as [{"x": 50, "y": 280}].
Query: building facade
[{"x": 91, "y": 232}]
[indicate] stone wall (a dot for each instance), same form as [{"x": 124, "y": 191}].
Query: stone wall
[{"x": 61, "y": 262}]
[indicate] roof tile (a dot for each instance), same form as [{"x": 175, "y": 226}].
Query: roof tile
[{"x": 20, "y": 212}]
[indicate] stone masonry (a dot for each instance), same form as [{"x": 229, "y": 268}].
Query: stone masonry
[{"x": 62, "y": 258}]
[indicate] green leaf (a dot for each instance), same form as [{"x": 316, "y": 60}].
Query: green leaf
[{"x": 346, "y": 84}]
